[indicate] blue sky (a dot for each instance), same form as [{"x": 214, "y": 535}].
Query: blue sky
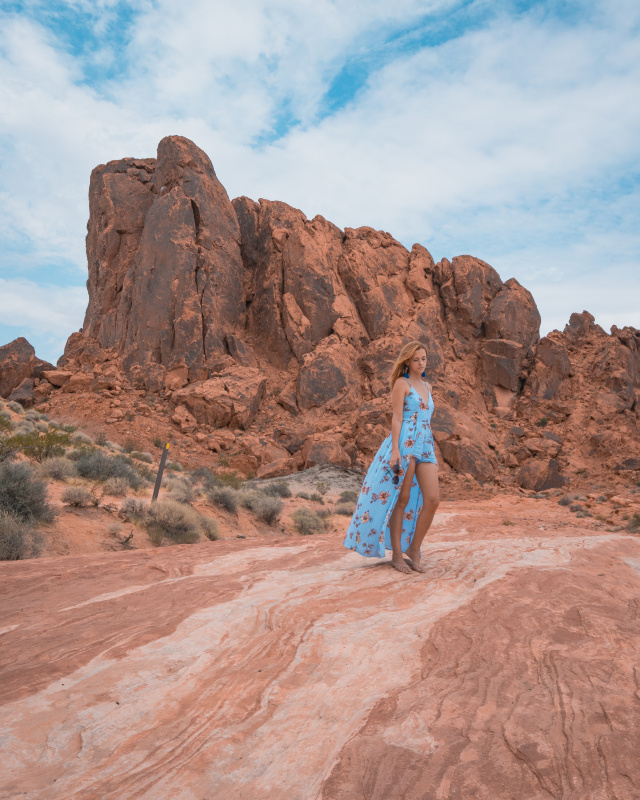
[{"x": 507, "y": 130}]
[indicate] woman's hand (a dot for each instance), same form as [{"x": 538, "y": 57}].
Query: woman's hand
[{"x": 395, "y": 458}]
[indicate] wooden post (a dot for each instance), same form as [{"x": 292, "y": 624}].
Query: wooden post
[{"x": 163, "y": 459}]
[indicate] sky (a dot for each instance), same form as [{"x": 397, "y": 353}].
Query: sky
[{"x": 503, "y": 129}]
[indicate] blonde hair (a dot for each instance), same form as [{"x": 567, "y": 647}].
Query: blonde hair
[{"x": 406, "y": 354}]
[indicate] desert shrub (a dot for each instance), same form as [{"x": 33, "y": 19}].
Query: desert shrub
[
  {"x": 115, "y": 528},
  {"x": 204, "y": 476},
  {"x": 145, "y": 472},
  {"x": 210, "y": 528},
  {"x": 348, "y": 496},
  {"x": 17, "y": 539},
  {"x": 303, "y": 495},
  {"x": 24, "y": 427},
  {"x": 8, "y": 448},
  {"x": 101, "y": 438},
  {"x": 64, "y": 427},
  {"x": 180, "y": 490},
  {"x": 58, "y": 468},
  {"x": 78, "y": 496},
  {"x": 41, "y": 425},
  {"x": 346, "y": 509},
  {"x": 278, "y": 489},
  {"x": 307, "y": 521},
  {"x": 564, "y": 501},
  {"x": 250, "y": 498},
  {"x": 575, "y": 507},
  {"x": 99, "y": 466},
  {"x": 157, "y": 442},
  {"x": 323, "y": 486},
  {"x": 634, "y": 522},
  {"x": 133, "y": 510},
  {"x": 229, "y": 479},
  {"x": 113, "y": 446},
  {"x": 268, "y": 509},
  {"x": 40, "y": 446},
  {"x": 142, "y": 456},
  {"x": 316, "y": 498},
  {"x": 176, "y": 466},
  {"x": 15, "y": 407},
  {"x": 116, "y": 487},
  {"x": 82, "y": 438},
  {"x": 175, "y": 521},
  {"x": 22, "y": 494},
  {"x": 6, "y": 423},
  {"x": 542, "y": 423},
  {"x": 225, "y": 497},
  {"x": 130, "y": 445}
]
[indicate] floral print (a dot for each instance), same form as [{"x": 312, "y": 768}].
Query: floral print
[{"x": 368, "y": 531}]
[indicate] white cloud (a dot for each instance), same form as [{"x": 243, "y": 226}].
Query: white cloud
[
  {"x": 505, "y": 142},
  {"x": 43, "y": 309}
]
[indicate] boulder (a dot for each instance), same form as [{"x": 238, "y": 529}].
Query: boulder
[
  {"x": 287, "y": 398},
  {"x": 329, "y": 373},
  {"x": 17, "y": 361},
  {"x": 57, "y": 377},
  {"x": 277, "y": 468},
  {"x": 24, "y": 393},
  {"x": 467, "y": 457},
  {"x": 551, "y": 367},
  {"x": 540, "y": 474},
  {"x": 230, "y": 399},
  {"x": 78, "y": 382},
  {"x": 319, "y": 449},
  {"x": 502, "y": 363},
  {"x": 184, "y": 420},
  {"x": 514, "y": 316}
]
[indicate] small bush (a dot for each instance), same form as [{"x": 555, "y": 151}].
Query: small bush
[
  {"x": 8, "y": 448},
  {"x": 82, "y": 438},
  {"x": 78, "y": 496},
  {"x": 210, "y": 528},
  {"x": 101, "y": 438},
  {"x": 22, "y": 494},
  {"x": 348, "y": 496},
  {"x": 116, "y": 487},
  {"x": 133, "y": 510},
  {"x": 17, "y": 539},
  {"x": 575, "y": 507},
  {"x": 346, "y": 509},
  {"x": 142, "y": 456},
  {"x": 99, "y": 466},
  {"x": 40, "y": 446},
  {"x": 41, "y": 425},
  {"x": 180, "y": 491},
  {"x": 278, "y": 489},
  {"x": 32, "y": 414},
  {"x": 634, "y": 522},
  {"x": 176, "y": 466},
  {"x": 5, "y": 423},
  {"x": 15, "y": 407},
  {"x": 542, "y": 423},
  {"x": 317, "y": 498},
  {"x": 157, "y": 442},
  {"x": 113, "y": 446},
  {"x": 324, "y": 513},
  {"x": 58, "y": 468},
  {"x": 303, "y": 495},
  {"x": 225, "y": 497},
  {"x": 175, "y": 521},
  {"x": 130, "y": 445},
  {"x": 230, "y": 479},
  {"x": 268, "y": 509},
  {"x": 564, "y": 501},
  {"x": 508, "y": 522},
  {"x": 323, "y": 486},
  {"x": 204, "y": 476},
  {"x": 307, "y": 521}
]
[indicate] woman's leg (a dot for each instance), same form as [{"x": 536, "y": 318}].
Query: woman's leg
[
  {"x": 427, "y": 476},
  {"x": 395, "y": 521}
]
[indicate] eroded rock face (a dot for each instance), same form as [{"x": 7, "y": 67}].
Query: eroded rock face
[
  {"x": 17, "y": 361},
  {"x": 188, "y": 290}
]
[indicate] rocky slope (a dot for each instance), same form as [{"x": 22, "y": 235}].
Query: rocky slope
[
  {"x": 266, "y": 338},
  {"x": 291, "y": 668}
]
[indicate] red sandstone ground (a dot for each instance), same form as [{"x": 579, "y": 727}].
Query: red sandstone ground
[{"x": 289, "y": 668}]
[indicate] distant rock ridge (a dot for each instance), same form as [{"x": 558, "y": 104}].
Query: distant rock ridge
[{"x": 215, "y": 304}]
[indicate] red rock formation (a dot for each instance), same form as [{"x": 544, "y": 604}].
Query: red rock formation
[{"x": 247, "y": 314}]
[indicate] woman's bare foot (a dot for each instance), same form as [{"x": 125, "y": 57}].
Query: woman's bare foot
[
  {"x": 400, "y": 566},
  {"x": 414, "y": 563}
]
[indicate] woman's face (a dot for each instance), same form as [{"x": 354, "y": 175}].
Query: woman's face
[{"x": 418, "y": 362}]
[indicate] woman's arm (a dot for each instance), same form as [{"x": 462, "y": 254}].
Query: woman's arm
[{"x": 399, "y": 392}]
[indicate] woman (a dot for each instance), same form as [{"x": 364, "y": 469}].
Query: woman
[{"x": 394, "y": 511}]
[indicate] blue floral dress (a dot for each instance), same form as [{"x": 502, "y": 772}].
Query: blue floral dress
[{"x": 368, "y": 532}]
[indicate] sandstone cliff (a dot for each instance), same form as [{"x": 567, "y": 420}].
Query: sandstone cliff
[{"x": 247, "y": 316}]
